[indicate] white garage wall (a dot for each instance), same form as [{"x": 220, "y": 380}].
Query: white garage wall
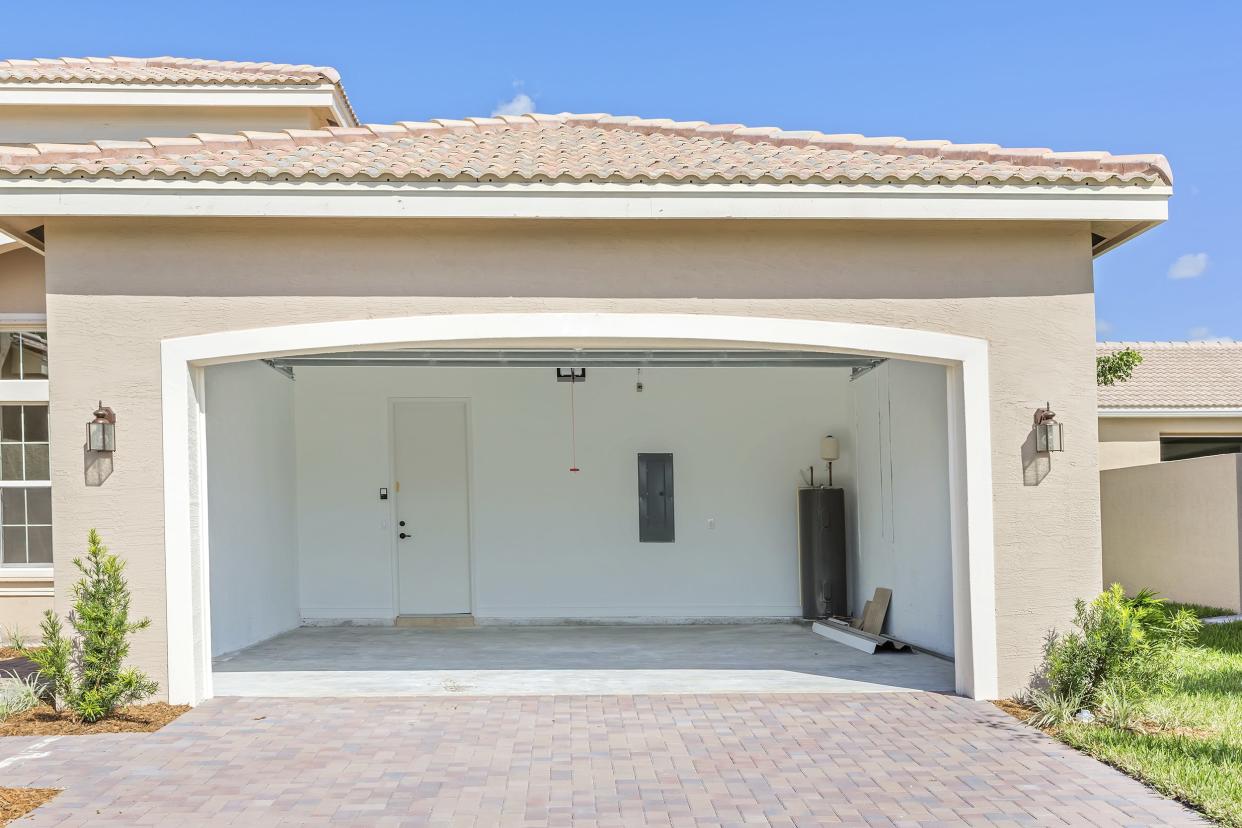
[
  {"x": 902, "y": 500},
  {"x": 251, "y": 505},
  {"x": 547, "y": 543}
]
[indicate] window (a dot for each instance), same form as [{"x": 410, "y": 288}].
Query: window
[
  {"x": 23, "y": 355},
  {"x": 1185, "y": 448},
  {"x": 25, "y": 487}
]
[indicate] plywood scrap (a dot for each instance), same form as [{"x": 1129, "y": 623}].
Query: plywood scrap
[{"x": 875, "y": 611}]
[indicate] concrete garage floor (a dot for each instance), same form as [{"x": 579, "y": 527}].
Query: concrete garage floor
[{"x": 577, "y": 660}]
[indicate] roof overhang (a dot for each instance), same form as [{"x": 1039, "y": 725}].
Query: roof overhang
[
  {"x": 326, "y": 96},
  {"x": 1169, "y": 412},
  {"x": 1117, "y": 212}
]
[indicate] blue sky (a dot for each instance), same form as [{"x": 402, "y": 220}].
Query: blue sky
[{"x": 1125, "y": 77}]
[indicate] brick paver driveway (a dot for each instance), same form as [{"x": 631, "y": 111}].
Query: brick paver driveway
[{"x": 798, "y": 760}]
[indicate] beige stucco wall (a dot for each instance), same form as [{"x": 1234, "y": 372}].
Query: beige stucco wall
[
  {"x": 1174, "y": 527},
  {"x": 20, "y": 614},
  {"x": 75, "y": 124},
  {"x": 1135, "y": 441},
  {"x": 21, "y": 282},
  {"x": 116, "y": 287}
]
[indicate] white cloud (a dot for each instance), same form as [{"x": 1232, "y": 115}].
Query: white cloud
[
  {"x": 519, "y": 104},
  {"x": 1103, "y": 327},
  {"x": 1202, "y": 333},
  {"x": 1188, "y": 266}
]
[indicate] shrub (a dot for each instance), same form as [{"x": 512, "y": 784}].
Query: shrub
[
  {"x": 1120, "y": 654},
  {"x": 17, "y": 695},
  {"x": 87, "y": 676}
]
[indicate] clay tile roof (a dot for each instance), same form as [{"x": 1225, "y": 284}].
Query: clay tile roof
[
  {"x": 161, "y": 70},
  {"x": 570, "y": 147},
  {"x": 1178, "y": 375}
]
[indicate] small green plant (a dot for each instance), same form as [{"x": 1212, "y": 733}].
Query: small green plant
[
  {"x": 1120, "y": 706},
  {"x": 1053, "y": 708},
  {"x": 17, "y": 695},
  {"x": 88, "y": 676},
  {"x": 1121, "y": 653},
  {"x": 1116, "y": 367}
]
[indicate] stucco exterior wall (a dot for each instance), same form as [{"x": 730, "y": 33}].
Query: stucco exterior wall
[
  {"x": 117, "y": 287},
  {"x": 76, "y": 124},
  {"x": 1135, "y": 441},
  {"x": 20, "y": 612},
  {"x": 1174, "y": 527},
  {"x": 21, "y": 282}
]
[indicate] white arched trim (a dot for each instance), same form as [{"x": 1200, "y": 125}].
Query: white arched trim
[{"x": 970, "y": 464}]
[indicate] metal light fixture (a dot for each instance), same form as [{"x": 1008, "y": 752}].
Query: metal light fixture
[
  {"x": 829, "y": 450},
  {"x": 101, "y": 431},
  {"x": 1048, "y": 436}
]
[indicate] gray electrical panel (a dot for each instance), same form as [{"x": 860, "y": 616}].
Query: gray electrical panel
[
  {"x": 821, "y": 552},
  {"x": 655, "y": 498}
]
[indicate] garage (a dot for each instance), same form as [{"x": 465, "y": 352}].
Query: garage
[{"x": 569, "y": 519}]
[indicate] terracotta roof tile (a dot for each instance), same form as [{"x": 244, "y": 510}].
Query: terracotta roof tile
[
  {"x": 1178, "y": 375},
  {"x": 570, "y": 147},
  {"x": 161, "y": 70}
]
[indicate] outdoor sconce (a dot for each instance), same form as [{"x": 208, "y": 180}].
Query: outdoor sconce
[
  {"x": 1047, "y": 430},
  {"x": 101, "y": 431}
]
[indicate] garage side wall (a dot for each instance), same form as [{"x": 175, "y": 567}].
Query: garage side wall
[
  {"x": 251, "y": 497},
  {"x": 902, "y": 495},
  {"x": 118, "y": 287}
]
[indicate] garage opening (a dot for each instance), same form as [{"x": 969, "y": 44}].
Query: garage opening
[{"x": 440, "y": 521}]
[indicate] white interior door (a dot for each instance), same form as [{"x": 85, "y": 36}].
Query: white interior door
[{"x": 433, "y": 518}]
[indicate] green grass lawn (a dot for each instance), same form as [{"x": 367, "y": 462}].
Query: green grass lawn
[{"x": 1194, "y": 750}]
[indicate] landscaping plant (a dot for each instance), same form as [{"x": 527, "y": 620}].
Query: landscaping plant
[
  {"x": 17, "y": 695},
  {"x": 87, "y": 675},
  {"x": 1122, "y": 652}
]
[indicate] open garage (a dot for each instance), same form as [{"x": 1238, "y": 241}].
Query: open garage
[{"x": 600, "y": 520}]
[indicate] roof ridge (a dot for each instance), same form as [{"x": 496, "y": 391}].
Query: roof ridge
[
  {"x": 1088, "y": 162},
  {"x": 1169, "y": 344},
  {"x": 171, "y": 62}
]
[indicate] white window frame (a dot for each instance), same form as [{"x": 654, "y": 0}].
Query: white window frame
[{"x": 24, "y": 392}]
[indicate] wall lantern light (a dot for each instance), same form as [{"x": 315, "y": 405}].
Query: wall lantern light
[
  {"x": 101, "y": 431},
  {"x": 1048, "y": 435}
]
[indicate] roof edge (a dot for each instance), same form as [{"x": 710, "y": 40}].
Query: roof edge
[{"x": 1100, "y": 167}]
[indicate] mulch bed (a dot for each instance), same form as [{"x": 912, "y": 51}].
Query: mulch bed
[
  {"x": 138, "y": 718},
  {"x": 1017, "y": 709},
  {"x": 15, "y": 803}
]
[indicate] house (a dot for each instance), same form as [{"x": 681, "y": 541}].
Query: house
[
  {"x": 1171, "y": 472},
  {"x": 456, "y": 369}
]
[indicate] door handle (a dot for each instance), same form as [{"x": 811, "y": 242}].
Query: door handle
[{"x": 403, "y": 536}]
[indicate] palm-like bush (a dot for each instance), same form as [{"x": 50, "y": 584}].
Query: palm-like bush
[
  {"x": 1121, "y": 653},
  {"x": 88, "y": 675}
]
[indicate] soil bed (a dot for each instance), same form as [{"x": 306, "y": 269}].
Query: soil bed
[{"x": 138, "y": 718}]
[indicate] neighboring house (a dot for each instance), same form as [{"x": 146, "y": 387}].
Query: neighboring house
[
  {"x": 1184, "y": 400},
  {"x": 114, "y": 99},
  {"x": 333, "y": 358},
  {"x": 1174, "y": 526}
]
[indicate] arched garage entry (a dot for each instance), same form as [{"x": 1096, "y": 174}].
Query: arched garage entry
[{"x": 964, "y": 361}]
